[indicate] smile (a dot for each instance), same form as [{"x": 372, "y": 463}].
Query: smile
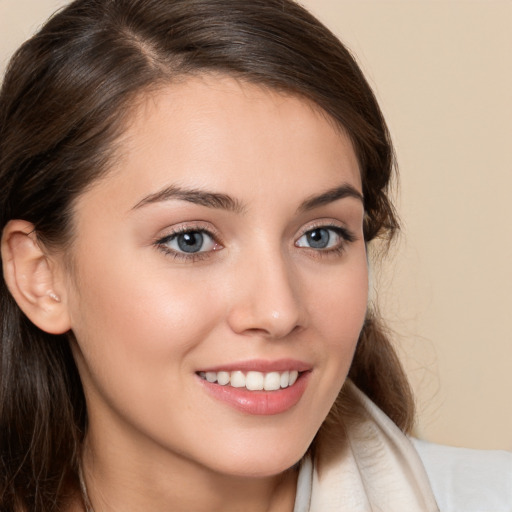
[{"x": 252, "y": 380}]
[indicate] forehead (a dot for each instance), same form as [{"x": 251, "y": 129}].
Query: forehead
[{"x": 222, "y": 133}]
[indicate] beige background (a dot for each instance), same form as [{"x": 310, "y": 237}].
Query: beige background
[{"x": 442, "y": 72}]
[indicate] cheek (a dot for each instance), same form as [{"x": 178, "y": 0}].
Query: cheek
[
  {"x": 127, "y": 317},
  {"x": 338, "y": 311},
  {"x": 339, "y": 302},
  {"x": 135, "y": 333}
]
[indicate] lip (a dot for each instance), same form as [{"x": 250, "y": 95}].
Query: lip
[
  {"x": 260, "y": 403},
  {"x": 261, "y": 365}
]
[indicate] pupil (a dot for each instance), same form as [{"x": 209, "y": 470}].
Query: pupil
[
  {"x": 318, "y": 238},
  {"x": 190, "y": 242}
]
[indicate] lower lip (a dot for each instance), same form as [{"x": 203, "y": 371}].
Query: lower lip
[{"x": 262, "y": 403}]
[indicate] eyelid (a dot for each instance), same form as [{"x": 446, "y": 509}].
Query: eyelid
[
  {"x": 346, "y": 235},
  {"x": 335, "y": 225},
  {"x": 188, "y": 227}
]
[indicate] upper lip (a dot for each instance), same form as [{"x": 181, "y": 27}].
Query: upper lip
[{"x": 261, "y": 365}]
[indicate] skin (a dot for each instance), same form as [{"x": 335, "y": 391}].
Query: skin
[{"x": 147, "y": 320}]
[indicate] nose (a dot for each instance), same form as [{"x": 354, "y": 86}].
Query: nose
[{"x": 266, "y": 299}]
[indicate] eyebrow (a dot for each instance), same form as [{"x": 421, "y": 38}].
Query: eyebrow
[
  {"x": 226, "y": 202},
  {"x": 331, "y": 195},
  {"x": 196, "y": 196}
]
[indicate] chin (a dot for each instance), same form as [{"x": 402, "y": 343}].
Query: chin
[{"x": 262, "y": 463}]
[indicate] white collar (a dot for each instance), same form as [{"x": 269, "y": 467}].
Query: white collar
[{"x": 366, "y": 464}]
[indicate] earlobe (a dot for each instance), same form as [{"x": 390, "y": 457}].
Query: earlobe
[{"x": 31, "y": 278}]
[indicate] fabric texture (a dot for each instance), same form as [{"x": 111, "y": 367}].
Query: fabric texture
[
  {"x": 466, "y": 480},
  {"x": 365, "y": 464}
]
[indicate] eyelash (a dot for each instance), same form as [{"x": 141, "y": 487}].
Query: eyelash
[
  {"x": 346, "y": 238},
  {"x": 192, "y": 257},
  {"x": 345, "y": 235}
]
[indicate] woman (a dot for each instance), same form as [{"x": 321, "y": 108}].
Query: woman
[{"x": 191, "y": 188}]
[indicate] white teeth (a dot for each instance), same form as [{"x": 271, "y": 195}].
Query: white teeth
[
  {"x": 237, "y": 379},
  {"x": 223, "y": 378},
  {"x": 211, "y": 376},
  {"x": 253, "y": 381},
  {"x": 273, "y": 381}
]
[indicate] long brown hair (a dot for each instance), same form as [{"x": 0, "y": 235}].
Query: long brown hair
[{"x": 64, "y": 99}]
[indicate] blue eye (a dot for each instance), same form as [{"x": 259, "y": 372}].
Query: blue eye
[
  {"x": 324, "y": 238},
  {"x": 189, "y": 242}
]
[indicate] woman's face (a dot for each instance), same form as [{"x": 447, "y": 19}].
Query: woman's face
[{"x": 225, "y": 247}]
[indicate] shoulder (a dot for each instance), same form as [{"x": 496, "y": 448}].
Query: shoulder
[{"x": 465, "y": 480}]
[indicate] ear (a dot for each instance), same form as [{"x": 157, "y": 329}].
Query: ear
[{"x": 33, "y": 278}]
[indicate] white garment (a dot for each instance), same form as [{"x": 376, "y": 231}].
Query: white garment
[
  {"x": 373, "y": 467},
  {"x": 466, "y": 480},
  {"x": 364, "y": 464}
]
